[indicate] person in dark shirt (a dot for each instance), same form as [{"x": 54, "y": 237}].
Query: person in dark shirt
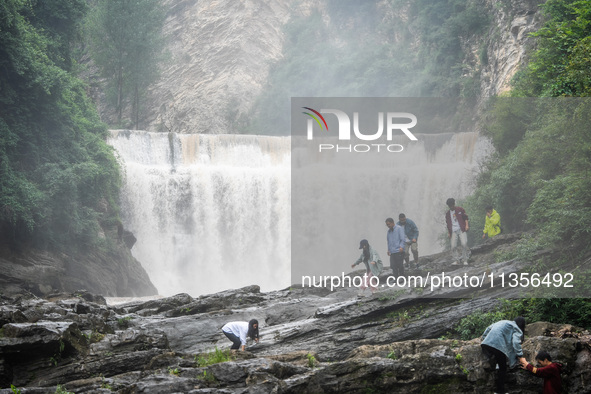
[{"x": 549, "y": 371}]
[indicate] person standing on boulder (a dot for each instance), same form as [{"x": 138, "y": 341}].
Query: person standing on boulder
[
  {"x": 457, "y": 226},
  {"x": 501, "y": 342},
  {"x": 410, "y": 243},
  {"x": 373, "y": 264},
  {"x": 237, "y": 331},
  {"x": 395, "y": 237},
  {"x": 492, "y": 223}
]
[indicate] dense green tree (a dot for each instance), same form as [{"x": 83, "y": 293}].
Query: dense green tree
[
  {"x": 561, "y": 65},
  {"x": 126, "y": 43},
  {"x": 56, "y": 171}
]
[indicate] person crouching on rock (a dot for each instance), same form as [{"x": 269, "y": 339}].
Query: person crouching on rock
[
  {"x": 501, "y": 342},
  {"x": 373, "y": 265},
  {"x": 237, "y": 331},
  {"x": 549, "y": 371}
]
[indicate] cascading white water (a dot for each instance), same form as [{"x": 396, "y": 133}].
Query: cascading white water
[{"x": 210, "y": 212}]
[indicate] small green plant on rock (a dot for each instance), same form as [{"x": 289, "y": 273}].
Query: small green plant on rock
[
  {"x": 207, "y": 377},
  {"x": 459, "y": 358},
  {"x": 56, "y": 358},
  {"x": 15, "y": 390},
  {"x": 312, "y": 362},
  {"x": 61, "y": 390},
  {"x": 217, "y": 356},
  {"x": 400, "y": 319},
  {"x": 124, "y": 321},
  {"x": 174, "y": 371},
  {"x": 105, "y": 385}
]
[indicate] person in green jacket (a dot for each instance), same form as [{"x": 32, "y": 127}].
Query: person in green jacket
[
  {"x": 373, "y": 265},
  {"x": 492, "y": 223}
]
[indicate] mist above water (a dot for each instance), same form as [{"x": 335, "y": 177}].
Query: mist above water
[{"x": 339, "y": 199}]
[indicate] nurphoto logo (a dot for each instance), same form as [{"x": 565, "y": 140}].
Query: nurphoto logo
[{"x": 395, "y": 121}]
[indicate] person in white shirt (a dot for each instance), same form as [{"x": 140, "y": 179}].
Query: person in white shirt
[{"x": 237, "y": 331}]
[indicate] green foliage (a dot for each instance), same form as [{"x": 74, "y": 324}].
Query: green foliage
[
  {"x": 311, "y": 361},
  {"x": 124, "y": 321},
  {"x": 94, "y": 337},
  {"x": 575, "y": 311},
  {"x": 539, "y": 180},
  {"x": 174, "y": 371},
  {"x": 473, "y": 325},
  {"x": 399, "y": 319},
  {"x": 56, "y": 358},
  {"x": 214, "y": 357},
  {"x": 459, "y": 358},
  {"x": 560, "y": 65},
  {"x": 126, "y": 42},
  {"x": 55, "y": 167},
  {"x": 61, "y": 390},
  {"x": 207, "y": 377},
  {"x": 15, "y": 390}
]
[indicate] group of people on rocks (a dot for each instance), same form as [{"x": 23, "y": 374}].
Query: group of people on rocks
[
  {"x": 500, "y": 342},
  {"x": 402, "y": 239}
]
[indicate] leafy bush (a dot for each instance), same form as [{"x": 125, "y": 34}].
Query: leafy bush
[{"x": 559, "y": 67}]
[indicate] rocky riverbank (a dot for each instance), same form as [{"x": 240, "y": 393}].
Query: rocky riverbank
[{"x": 313, "y": 340}]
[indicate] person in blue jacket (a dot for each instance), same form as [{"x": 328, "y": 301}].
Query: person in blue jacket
[
  {"x": 395, "y": 237},
  {"x": 501, "y": 342},
  {"x": 410, "y": 243}
]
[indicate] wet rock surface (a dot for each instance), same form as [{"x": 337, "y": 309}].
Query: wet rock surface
[{"x": 313, "y": 340}]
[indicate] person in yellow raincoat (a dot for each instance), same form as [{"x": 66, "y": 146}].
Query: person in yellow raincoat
[{"x": 492, "y": 223}]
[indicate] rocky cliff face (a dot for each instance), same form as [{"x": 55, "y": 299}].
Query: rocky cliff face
[
  {"x": 507, "y": 43},
  {"x": 115, "y": 273},
  {"x": 313, "y": 340},
  {"x": 221, "y": 53}
]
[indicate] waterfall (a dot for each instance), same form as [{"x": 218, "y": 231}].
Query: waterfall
[{"x": 210, "y": 212}]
